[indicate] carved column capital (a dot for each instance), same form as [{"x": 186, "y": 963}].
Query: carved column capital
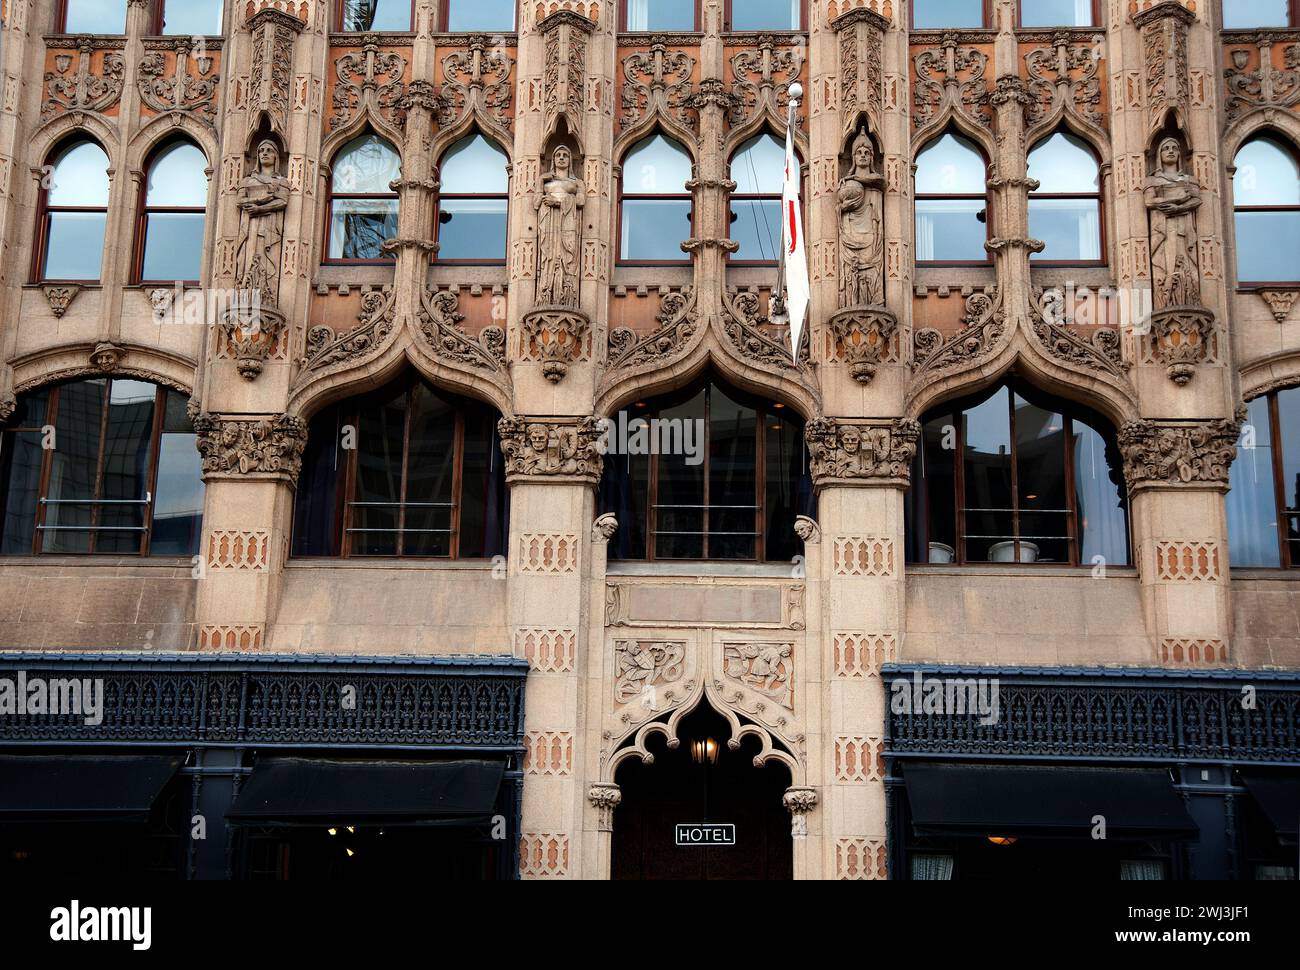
[
  {"x": 605, "y": 796},
  {"x": 1194, "y": 454},
  {"x": 553, "y": 450},
  {"x": 237, "y": 448},
  {"x": 799, "y": 801},
  {"x": 861, "y": 452}
]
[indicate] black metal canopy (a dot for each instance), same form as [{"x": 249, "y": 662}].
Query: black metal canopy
[
  {"x": 80, "y": 789},
  {"x": 1278, "y": 795}
]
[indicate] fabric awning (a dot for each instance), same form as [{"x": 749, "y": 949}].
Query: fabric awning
[
  {"x": 305, "y": 791},
  {"x": 951, "y": 799},
  {"x": 51, "y": 788},
  {"x": 1279, "y": 797}
]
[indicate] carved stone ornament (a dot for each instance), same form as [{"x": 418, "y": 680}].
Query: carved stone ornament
[
  {"x": 89, "y": 87},
  {"x": 564, "y": 80},
  {"x": 270, "y": 447},
  {"x": 743, "y": 321},
  {"x": 603, "y": 529},
  {"x": 439, "y": 318},
  {"x": 552, "y": 449},
  {"x": 1163, "y": 29},
  {"x": 559, "y": 232},
  {"x": 251, "y": 334},
  {"x": 657, "y": 80},
  {"x": 1182, "y": 336},
  {"x": 477, "y": 79},
  {"x": 1064, "y": 76},
  {"x": 807, "y": 529},
  {"x": 950, "y": 77},
  {"x": 1279, "y": 302},
  {"x": 1267, "y": 86},
  {"x": 983, "y": 324},
  {"x": 555, "y": 336},
  {"x": 862, "y": 238},
  {"x": 182, "y": 89},
  {"x": 270, "y": 78},
  {"x": 844, "y": 451},
  {"x": 761, "y": 79},
  {"x": 262, "y": 198},
  {"x": 678, "y": 321},
  {"x": 861, "y": 34},
  {"x": 605, "y": 796},
  {"x": 1172, "y": 196},
  {"x": 60, "y": 297},
  {"x": 368, "y": 80},
  {"x": 106, "y": 356},
  {"x": 374, "y": 324},
  {"x": 764, "y": 668},
  {"x": 864, "y": 335},
  {"x": 799, "y": 801},
  {"x": 1192, "y": 454},
  {"x": 1100, "y": 351},
  {"x": 641, "y": 665},
  {"x": 8, "y": 405}
]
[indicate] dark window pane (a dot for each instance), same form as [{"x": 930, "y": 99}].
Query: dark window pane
[
  {"x": 380, "y": 431},
  {"x": 785, "y": 467},
  {"x": 198, "y": 17},
  {"x": 73, "y": 464},
  {"x": 987, "y": 457},
  {"x": 679, "y": 517},
  {"x": 178, "y": 504},
  {"x": 95, "y": 17},
  {"x": 948, "y": 229},
  {"x": 126, "y": 466},
  {"x": 1268, "y": 246},
  {"x": 937, "y": 481},
  {"x": 1288, "y": 415},
  {"x": 655, "y": 229},
  {"x": 732, "y": 478},
  {"x": 480, "y": 15},
  {"x": 32, "y": 409},
  {"x": 21, "y": 468},
  {"x": 1252, "y": 499},
  {"x": 1040, "y": 481},
  {"x": 359, "y": 228},
  {"x": 1238, "y": 14},
  {"x": 938, "y": 14},
  {"x": 175, "y": 414},
  {"x": 1102, "y": 511},
  {"x": 429, "y": 469},
  {"x": 472, "y": 229},
  {"x": 660, "y": 15},
  {"x": 482, "y": 486},
  {"x": 315, "y": 528},
  {"x": 757, "y": 228},
  {"x": 75, "y": 248},
  {"x": 1069, "y": 228},
  {"x": 1057, "y": 13},
  {"x": 765, "y": 15},
  {"x": 362, "y": 15},
  {"x": 173, "y": 246}
]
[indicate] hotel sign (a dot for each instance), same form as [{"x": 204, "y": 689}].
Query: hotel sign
[{"x": 706, "y": 833}]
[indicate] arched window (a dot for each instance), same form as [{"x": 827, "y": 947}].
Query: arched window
[
  {"x": 654, "y": 205},
  {"x": 947, "y": 14},
  {"x": 362, "y": 16},
  {"x": 472, "y": 202},
  {"x": 170, "y": 233},
  {"x": 1264, "y": 500},
  {"x": 94, "y": 17},
  {"x": 764, "y": 14},
  {"x": 459, "y": 16},
  {"x": 1011, "y": 475},
  {"x": 101, "y": 466},
  {"x": 1057, "y": 13},
  {"x": 363, "y": 206},
  {"x": 647, "y": 15},
  {"x": 951, "y": 207},
  {"x": 1266, "y": 200},
  {"x": 1065, "y": 209},
  {"x": 1250, "y": 14},
  {"x": 198, "y": 18},
  {"x": 74, "y": 214},
  {"x": 405, "y": 471},
  {"x": 707, "y": 473},
  {"x": 758, "y": 169}
]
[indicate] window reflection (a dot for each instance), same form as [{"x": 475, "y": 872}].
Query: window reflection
[
  {"x": 1065, "y": 209},
  {"x": 363, "y": 205},
  {"x": 655, "y": 209},
  {"x": 76, "y": 214},
  {"x": 1266, "y": 198},
  {"x": 472, "y": 205},
  {"x": 950, "y": 202},
  {"x": 947, "y": 14},
  {"x": 380, "y": 15}
]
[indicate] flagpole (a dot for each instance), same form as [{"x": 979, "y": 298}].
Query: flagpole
[{"x": 795, "y": 94}]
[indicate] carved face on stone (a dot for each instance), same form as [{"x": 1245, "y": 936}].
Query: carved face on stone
[
  {"x": 268, "y": 156},
  {"x": 862, "y": 154},
  {"x": 562, "y": 160},
  {"x": 537, "y": 436},
  {"x": 1170, "y": 154},
  {"x": 850, "y": 440}
]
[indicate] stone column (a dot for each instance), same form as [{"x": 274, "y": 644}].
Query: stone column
[{"x": 861, "y": 472}]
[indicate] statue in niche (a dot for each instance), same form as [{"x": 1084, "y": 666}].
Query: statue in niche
[
  {"x": 862, "y": 241},
  {"x": 558, "y": 215},
  {"x": 262, "y": 197},
  {"x": 1172, "y": 198}
]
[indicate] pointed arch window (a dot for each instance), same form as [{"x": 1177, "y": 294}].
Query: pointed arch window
[
  {"x": 363, "y": 203},
  {"x": 74, "y": 214},
  {"x": 364, "y": 16},
  {"x": 1266, "y": 209},
  {"x": 197, "y": 18},
  {"x": 1065, "y": 209},
  {"x": 1012, "y": 475},
  {"x": 654, "y": 203},
  {"x": 170, "y": 232},
  {"x": 405, "y": 471},
  {"x": 473, "y": 202},
  {"x": 123, "y": 478},
  {"x": 1058, "y": 13},
  {"x": 93, "y": 17},
  {"x": 758, "y": 169},
  {"x": 951, "y": 202}
]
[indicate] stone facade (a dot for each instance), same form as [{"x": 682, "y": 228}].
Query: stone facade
[{"x": 555, "y": 339}]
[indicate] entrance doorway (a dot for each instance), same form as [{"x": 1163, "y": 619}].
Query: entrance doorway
[{"x": 702, "y": 780}]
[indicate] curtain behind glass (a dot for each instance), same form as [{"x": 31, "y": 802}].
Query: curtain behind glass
[
  {"x": 927, "y": 866},
  {"x": 1102, "y": 518},
  {"x": 1252, "y": 500},
  {"x": 1142, "y": 869}
]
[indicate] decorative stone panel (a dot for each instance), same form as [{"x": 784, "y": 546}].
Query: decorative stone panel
[
  {"x": 765, "y": 668},
  {"x": 1181, "y": 652},
  {"x": 1188, "y": 561},
  {"x": 238, "y": 550},
  {"x": 860, "y": 858},
  {"x": 863, "y": 556},
  {"x": 548, "y": 553},
  {"x": 547, "y": 650},
  {"x": 859, "y": 655},
  {"x": 543, "y": 855},
  {"x": 548, "y": 753},
  {"x": 859, "y": 759},
  {"x": 231, "y": 637}
]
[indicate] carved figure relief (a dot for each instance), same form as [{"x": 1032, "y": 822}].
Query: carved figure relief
[
  {"x": 765, "y": 668},
  {"x": 641, "y": 664},
  {"x": 262, "y": 197},
  {"x": 862, "y": 241},
  {"x": 559, "y": 214},
  {"x": 548, "y": 448},
  {"x": 1172, "y": 197}
]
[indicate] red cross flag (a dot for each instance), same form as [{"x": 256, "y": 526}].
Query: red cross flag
[{"x": 796, "y": 259}]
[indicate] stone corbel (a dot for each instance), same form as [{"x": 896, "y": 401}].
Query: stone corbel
[
  {"x": 553, "y": 450},
  {"x": 251, "y": 334},
  {"x": 603, "y": 529},
  {"x": 864, "y": 334},
  {"x": 799, "y": 801},
  {"x": 860, "y": 452},
  {"x": 1279, "y": 302},
  {"x": 556, "y": 336},
  {"x": 605, "y": 796},
  {"x": 808, "y": 530},
  {"x": 60, "y": 297},
  {"x": 106, "y": 356},
  {"x": 1181, "y": 336},
  {"x": 268, "y": 447},
  {"x": 1195, "y": 454}
]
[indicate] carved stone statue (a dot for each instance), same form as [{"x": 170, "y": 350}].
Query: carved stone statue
[
  {"x": 1172, "y": 198},
  {"x": 262, "y": 198},
  {"x": 558, "y": 229},
  {"x": 862, "y": 241}
]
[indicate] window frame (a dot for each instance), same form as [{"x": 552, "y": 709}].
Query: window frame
[
  {"x": 62, "y": 22},
  {"x": 956, "y": 413},
  {"x": 918, "y": 197},
  {"x": 160, "y": 16},
  {"x": 40, "y": 252},
  {"x": 1293, "y": 18},
  {"x": 144, "y": 210},
  {"x": 339, "y": 29},
  {"x": 444, "y": 15},
  {"x": 734, "y": 197},
  {"x": 156, "y": 433},
  {"x": 436, "y": 256},
  {"x": 331, "y": 195},
  {"x": 624, "y": 29},
  {"x": 1094, "y": 7},
  {"x": 688, "y": 194},
  {"x": 986, "y": 18},
  {"x": 1288, "y": 146},
  {"x": 727, "y": 21},
  {"x": 1099, "y": 196},
  {"x": 1284, "y": 516}
]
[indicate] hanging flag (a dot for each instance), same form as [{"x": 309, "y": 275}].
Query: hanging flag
[{"x": 796, "y": 259}]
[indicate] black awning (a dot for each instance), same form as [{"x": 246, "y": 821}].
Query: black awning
[
  {"x": 303, "y": 791},
  {"x": 1000, "y": 800},
  {"x": 1279, "y": 797},
  {"x": 52, "y": 788}
]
